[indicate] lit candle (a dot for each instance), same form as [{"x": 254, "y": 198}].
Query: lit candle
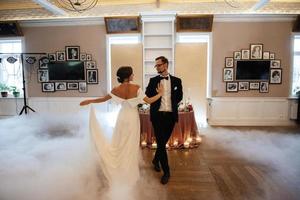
[
  {"x": 144, "y": 144},
  {"x": 198, "y": 139},
  {"x": 175, "y": 143},
  {"x": 154, "y": 145},
  {"x": 186, "y": 145}
]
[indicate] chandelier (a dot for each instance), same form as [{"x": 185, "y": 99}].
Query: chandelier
[{"x": 77, "y": 5}]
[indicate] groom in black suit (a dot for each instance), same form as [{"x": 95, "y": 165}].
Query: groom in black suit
[{"x": 164, "y": 112}]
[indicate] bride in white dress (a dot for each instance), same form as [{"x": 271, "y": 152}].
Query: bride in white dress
[{"x": 119, "y": 157}]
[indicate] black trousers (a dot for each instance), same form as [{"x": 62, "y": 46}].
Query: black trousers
[{"x": 163, "y": 126}]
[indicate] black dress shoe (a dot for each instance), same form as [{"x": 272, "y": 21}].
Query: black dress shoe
[
  {"x": 165, "y": 179},
  {"x": 156, "y": 166}
]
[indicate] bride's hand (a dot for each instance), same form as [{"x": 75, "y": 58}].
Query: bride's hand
[
  {"x": 160, "y": 89},
  {"x": 84, "y": 103}
]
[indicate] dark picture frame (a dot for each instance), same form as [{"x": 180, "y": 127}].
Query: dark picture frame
[
  {"x": 82, "y": 87},
  {"x": 231, "y": 87},
  {"x": 194, "y": 23},
  {"x": 72, "y": 85},
  {"x": 73, "y": 52},
  {"x": 256, "y": 51},
  {"x": 52, "y": 56},
  {"x": 60, "y": 56},
  {"x": 60, "y": 86},
  {"x": 227, "y": 74},
  {"x": 237, "y": 55},
  {"x": 254, "y": 85},
  {"x": 245, "y": 54},
  {"x": 83, "y": 56},
  {"x": 275, "y": 76},
  {"x": 266, "y": 55},
  {"x": 48, "y": 87},
  {"x": 263, "y": 87},
  {"x": 275, "y": 64},
  {"x": 243, "y": 86},
  {"x": 127, "y": 24},
  {"x": 92, "y": 76},
  {"x": 42, "y": 75},
  {"x": 229, "y": 61}
]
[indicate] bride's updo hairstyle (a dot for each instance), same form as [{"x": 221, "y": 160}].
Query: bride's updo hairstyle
[{"x": 123, "y": 73}]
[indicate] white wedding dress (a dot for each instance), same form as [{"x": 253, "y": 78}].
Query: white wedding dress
[{"x": 119, "y": 156}]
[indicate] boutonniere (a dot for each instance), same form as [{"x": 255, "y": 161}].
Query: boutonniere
[{"x": 175, "y": 88}]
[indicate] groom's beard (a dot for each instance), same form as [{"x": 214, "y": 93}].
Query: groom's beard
[{"x": 161, "y": 71}]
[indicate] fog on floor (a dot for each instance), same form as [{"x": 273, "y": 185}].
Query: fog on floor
[{"x": 51, "y": 157}]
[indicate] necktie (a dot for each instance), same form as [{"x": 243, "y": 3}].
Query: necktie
[{"x": 167, "y": 78}]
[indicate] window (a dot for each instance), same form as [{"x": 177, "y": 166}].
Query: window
[
  {"x": 11, "y": 73},
  {"x": 296, "y": 65}
]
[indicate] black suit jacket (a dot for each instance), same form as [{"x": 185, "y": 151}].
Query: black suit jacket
[{"x": 176, "y": 96}]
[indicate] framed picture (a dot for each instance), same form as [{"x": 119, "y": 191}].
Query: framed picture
[
  {"x": 72, "y": 86},
  {"x": 237, "y": 55},
  {"x": 231, "y": 87},
  {"x": 228, "y": 74},
  {"x": 256, "y": 51},
  {"x": 43, "y": 75},
  {"x": 245, "y": 54},
  {"x": 48, "y": 87},
  {"x": 93, "y": 65},
  {"x": 263, "y": 87},
  {"x": 275, "y": 64},
  {"x": 43, "y": 63},
  {"x": 92, "y": 76},
  {"x": 243, "y": 86},
  {"x": 60, "y": 56},
  {"x": 128, "y": 24},
  {"x": 60, "y": 86},
  {"x": 272, "y": 55},
  {"x": 254, "y": 86},
  {"x": 275, "y": 76},
  {"x": 83, "y": 57},
  {"x": 266, "y": 55},
  {"x": 194, "y": 23},
  {"x": 73, "y": 52},
  {"x": 52, "y": 56},
  {"x": 88, "y": 56},
  {"x": 228, "y": 62},
  {"x": 82, "y": 87}
]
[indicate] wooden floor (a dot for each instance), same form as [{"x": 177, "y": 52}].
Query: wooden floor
[{"x": 209, "y": 172}]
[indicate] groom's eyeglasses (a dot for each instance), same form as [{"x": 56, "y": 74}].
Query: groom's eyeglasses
[{"x": 158, "y": 65}]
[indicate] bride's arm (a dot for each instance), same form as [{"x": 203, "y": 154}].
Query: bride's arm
[
  {"x": 160, "y": 92},
  {"x": 97, "y": 100}
]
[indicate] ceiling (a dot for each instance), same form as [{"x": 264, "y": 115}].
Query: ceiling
[{"x": 49, "y": 9}]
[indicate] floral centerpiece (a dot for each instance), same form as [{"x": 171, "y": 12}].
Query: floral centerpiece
[{"x": 143, "y": 107}]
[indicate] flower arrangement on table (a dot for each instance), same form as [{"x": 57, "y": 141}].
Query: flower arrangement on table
[
  {"x": 143, "y": 107},
  {"x": 185, "y": 107}
]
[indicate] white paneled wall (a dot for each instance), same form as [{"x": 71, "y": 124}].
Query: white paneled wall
[
  {"x": 59, "y": 105},
  {"x": 233, "y": 111}
]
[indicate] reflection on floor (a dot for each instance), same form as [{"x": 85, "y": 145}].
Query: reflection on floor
[{"x": 221, "y": 169}]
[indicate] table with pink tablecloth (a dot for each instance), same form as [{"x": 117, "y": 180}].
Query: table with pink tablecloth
[{"x": 185, "y": 129}]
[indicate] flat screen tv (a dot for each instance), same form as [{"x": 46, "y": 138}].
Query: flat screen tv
[
  {"x": 67, "y": 71},
  {"x": 252, "y": 70}
]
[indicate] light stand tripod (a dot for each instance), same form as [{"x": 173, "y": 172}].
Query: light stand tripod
[
  {"x": 25, "y": 106},
  {"x": 24, "y": 84}
]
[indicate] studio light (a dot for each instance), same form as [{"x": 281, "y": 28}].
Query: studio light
[{"x": 77, "y": 5}]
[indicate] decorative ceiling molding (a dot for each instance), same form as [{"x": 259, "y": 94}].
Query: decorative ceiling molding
[
  {"x": 34, "y": 11},
  {"x": 51, "y": 7}
]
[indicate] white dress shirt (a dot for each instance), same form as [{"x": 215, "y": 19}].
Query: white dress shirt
[{"x": 166, "y": 104}]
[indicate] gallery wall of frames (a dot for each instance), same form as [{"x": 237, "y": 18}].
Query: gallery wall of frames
[
  {"x": 252, "y": 69},
  {"x": 69, "y": 69}
]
